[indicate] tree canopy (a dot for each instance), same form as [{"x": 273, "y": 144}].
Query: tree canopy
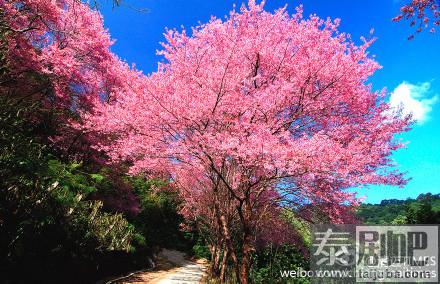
[{"x": 265, "y": 110}]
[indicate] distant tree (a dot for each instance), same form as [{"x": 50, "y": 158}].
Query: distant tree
[
  {"x": 425, "y": 214},
  {"x": 400, "y": 220},
  {"x": 421, "y": 213}
]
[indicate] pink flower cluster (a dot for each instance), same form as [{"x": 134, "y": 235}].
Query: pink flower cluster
[{"x": 424, "y": 13}]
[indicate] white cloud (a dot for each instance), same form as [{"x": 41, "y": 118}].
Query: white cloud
[{"x": 413, "y": 99}]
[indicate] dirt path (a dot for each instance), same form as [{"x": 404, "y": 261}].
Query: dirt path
[{"x": 172, "y": 268}]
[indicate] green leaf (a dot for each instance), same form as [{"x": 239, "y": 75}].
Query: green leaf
[{"x": 97, "y": 177}]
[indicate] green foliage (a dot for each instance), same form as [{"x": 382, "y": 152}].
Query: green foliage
[
  {"x": 158, "y": 220},
  {"x": 423, "y": 210},
  {"x": 399, "y": 220},
  {"x": 301, "y": 227},
  {"x": 45, "y": 214},
  {"x": 379, "y": 214},
  {"x": 201, "y": 250},
  {"x": 422, "y": 213},
  {"x": 270, "y": 261}
]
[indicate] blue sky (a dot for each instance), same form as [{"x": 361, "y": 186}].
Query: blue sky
[{"x": 411, "y": 69}]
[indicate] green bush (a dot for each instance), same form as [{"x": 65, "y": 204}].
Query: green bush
[
  {"x": 201, "y": 250},
  {"x": 158, "y": 220},
  {"x": 268, "y": 262},
  {"x": 46, "y": 219}
]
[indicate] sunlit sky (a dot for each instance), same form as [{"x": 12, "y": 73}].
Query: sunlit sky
[{"x": 410, "y": 68}]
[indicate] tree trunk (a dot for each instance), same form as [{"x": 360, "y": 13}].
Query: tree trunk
[
  {"x": 216, "y": 258},
  {"x": 213, "y": 251},
  {"x": 230, "y": 246},
  {"x": 224, "y": 264},
  {"x": 245, "y": 260},
  {"x": 245, "y": 214}
]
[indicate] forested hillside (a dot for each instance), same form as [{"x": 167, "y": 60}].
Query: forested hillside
[{"x": 425, "y": 209}]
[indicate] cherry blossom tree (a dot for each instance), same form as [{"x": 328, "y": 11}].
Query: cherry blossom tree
[
  {"x": 210, "y": 208},
  {"x": 64, "y": 40},
  {"x": 421, "y": 13},
  {"x": 58, "y": 53},
  {"x": 254, "y": 113}
]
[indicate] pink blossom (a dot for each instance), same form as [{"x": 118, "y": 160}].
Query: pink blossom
[
  {"x": 420, "y": 11},
  {"x": 279, "y": 100}
]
